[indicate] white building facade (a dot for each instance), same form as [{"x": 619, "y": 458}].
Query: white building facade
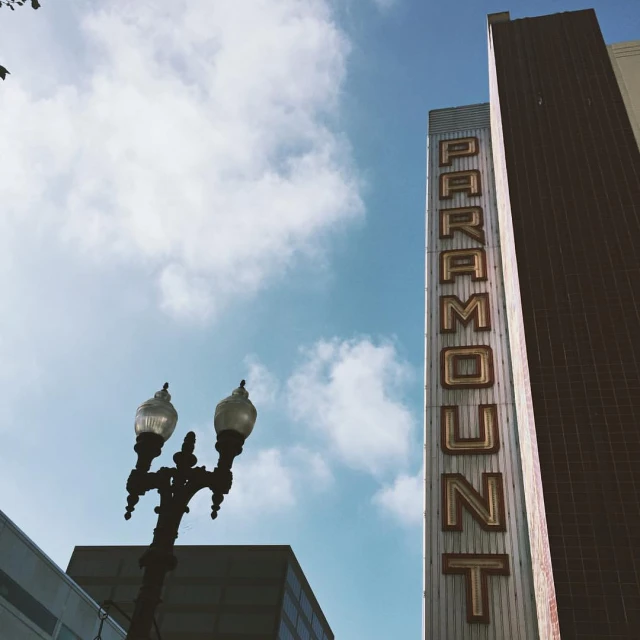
[{"x": 38, "y": 601}]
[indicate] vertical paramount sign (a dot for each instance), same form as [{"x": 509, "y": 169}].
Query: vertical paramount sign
[{"x": 478, "y": 576}]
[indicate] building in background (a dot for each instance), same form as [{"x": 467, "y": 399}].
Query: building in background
[
  {"x": 532, "y": 373},
  {"x": 625, "y": 60},
  {"x": 38, "y": 601},
  {"x": 222, "y": 592}
]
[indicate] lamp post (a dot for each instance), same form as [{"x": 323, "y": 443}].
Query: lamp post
[{"x": 155, "y": 421}]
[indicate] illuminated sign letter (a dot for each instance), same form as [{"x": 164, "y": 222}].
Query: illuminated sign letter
[
  {"x": 467, "y": 220},
  {"x": 487, "y": 442},
  {"x": 487, "y": 509},
  {"x": 463, "y": 262},
  {"x": 453, "y": 310},
  {"x": 467, "y": 367},
  {"x": 457, "y": 148},
  {"x": 460, "y": 182},
  {"x": 476, "y": 568}
]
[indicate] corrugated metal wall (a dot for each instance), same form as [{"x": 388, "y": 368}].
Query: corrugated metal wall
[
  {"x": 469, "y": 117},
  {"x": 512, "y": 612}
]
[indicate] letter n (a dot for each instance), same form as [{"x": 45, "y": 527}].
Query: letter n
[{"x": 487, "y": 509}]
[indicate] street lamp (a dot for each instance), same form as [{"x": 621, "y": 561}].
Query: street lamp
[{"x": 155, "y": 421}]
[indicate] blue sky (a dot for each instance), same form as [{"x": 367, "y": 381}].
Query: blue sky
[{"x": 213, "y": 192}]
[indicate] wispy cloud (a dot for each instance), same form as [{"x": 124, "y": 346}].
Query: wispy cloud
[
  {"x": 262, "y": 384},
  {"x": 268, "y": 481},
  {"x": 403, "y": 499},
  {"x": 348, "y": 397},
  {"x": 276, "y": 479},
  {"x": 350, "y": 392},
  {"x": 201, "y": 147}
]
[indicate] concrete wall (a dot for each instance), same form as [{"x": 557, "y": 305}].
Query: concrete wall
[
  {"x": 37, "y": 599},
  {"x": 625, "y": 58}
]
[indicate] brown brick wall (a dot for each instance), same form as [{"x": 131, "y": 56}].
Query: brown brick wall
[{"x": 574, "y": 179}]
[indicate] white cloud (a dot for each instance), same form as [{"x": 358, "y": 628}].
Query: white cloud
[
  {"x": 273, "y": 480},
  {"x": 403, "y": 500},
  {"x": 183, "y": 294},
  {"x": 351, "y": 393},
  {"x": 267, "y": 481},
  {"x": 262, "y": 482},
  {"x": 311, "y": 467},
  {"x": 262, "y": 384},
  {"x": 201, "y": 147}
]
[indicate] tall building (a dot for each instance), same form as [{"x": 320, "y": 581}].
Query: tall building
[
  {"x": 38, "y": 601},
  {"x": 222, "y": 592},
  {"x": 532, "y": 428}
]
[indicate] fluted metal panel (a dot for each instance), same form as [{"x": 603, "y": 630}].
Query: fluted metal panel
[
  {"x": 511, "y": 598},
  {"x": 471, "y": 116}
]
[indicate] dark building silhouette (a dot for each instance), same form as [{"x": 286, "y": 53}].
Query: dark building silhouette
[
  {"x": 573, "y": 169},
  {"x": 222, "y": 592}
]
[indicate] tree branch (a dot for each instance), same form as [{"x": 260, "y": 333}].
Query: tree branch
[{"x": 35, "y": 4}]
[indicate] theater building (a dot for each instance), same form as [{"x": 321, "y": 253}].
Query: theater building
[{"x": 532, "y": 372}]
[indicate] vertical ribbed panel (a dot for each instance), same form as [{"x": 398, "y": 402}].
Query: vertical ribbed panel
[
  {"x": 473, "y": 116},
  {"x": 511, "y": 602}
]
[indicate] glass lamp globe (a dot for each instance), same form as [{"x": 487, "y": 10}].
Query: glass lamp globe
[
  {"x": 157, "y": 415},
  {"x": 236, "y": 413}
]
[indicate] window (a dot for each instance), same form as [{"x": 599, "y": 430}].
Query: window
[
  {"x": 317, "y": 626},
  {"x": 303, "y": 630},
  {"x": 290, "y": 608},
  {"x": 285, "y": 632},
  {"x": 66, "y": 634},
  {"x": 22, "y": 600},
  {"x": 306, "y": 605},
  {"x": 293, "y": 582}
]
